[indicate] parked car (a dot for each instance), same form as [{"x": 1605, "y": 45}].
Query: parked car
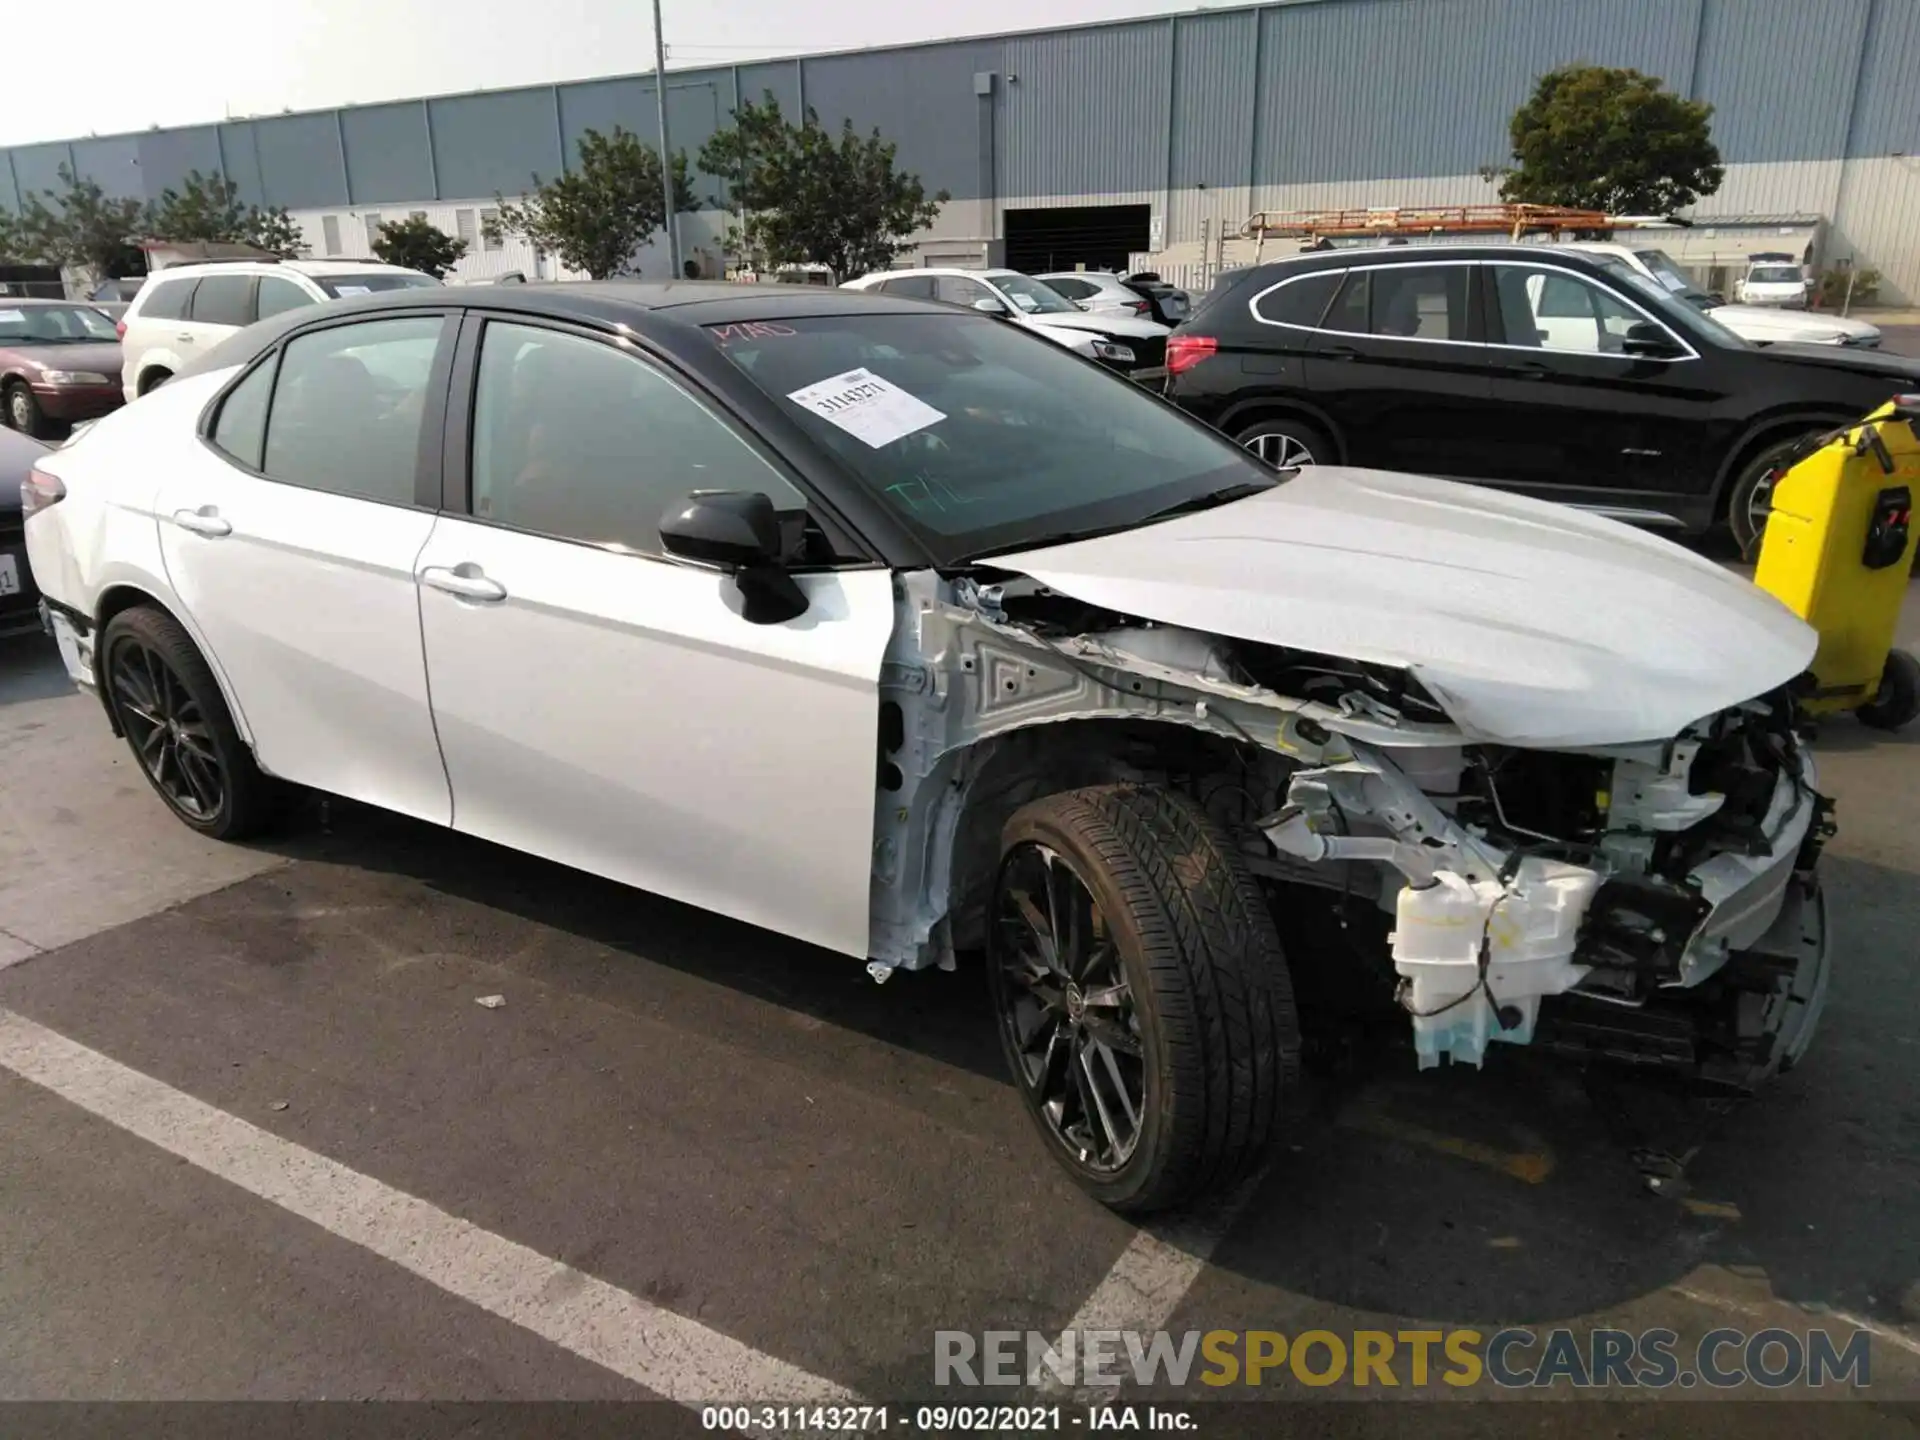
[
  {"x": 59, "y": 362},
  {"x": 1529, "y": 367},
  {"x": 1104, "y": 293},
  {"x": 1773, "y": 279},
  {"x": 887, "y": 626},
  {"x": 19, "y": 599},
  {"x": 1761, "y": 324},
  {"x": 1120, "y": 342},
  {"x": 182, "y": 312}
]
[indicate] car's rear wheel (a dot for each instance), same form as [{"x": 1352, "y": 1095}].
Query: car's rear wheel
[
  {"x": 1286, "y": 443},
  {"x": 23, "y": 411},
  {"x": 1751, "y": 499},
  {"x": 1144, "y": 1005},
  {"x": 178, "y": 727}
]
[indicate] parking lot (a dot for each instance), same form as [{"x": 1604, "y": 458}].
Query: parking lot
[{"x": 273, "y": 1148}]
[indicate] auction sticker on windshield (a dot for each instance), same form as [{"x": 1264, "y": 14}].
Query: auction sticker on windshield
[{"x": 867, "y": 407}]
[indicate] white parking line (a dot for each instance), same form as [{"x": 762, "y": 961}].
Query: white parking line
[
  {"x": 670, "y": 1355},
  {"x": 1151, "y": 1278}
]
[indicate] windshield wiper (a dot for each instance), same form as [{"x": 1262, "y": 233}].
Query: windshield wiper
[{"x": 1213, "y": 498}]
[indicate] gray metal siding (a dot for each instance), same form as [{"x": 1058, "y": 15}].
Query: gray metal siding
[
  {"x": 697, "y": 105},
  {"x": 779, "y": 76},
  {"x": 495, "y": 142},
  {"x": 37, "y": 168},
  {"x": 922, "y": 100},
  {"x": 113, "y": 164},
  {"x": 300, "y": 160},
  {"x": 1779, "y": 74},
  {"x": 1374, "y": 89},
  {"x": 1086, "y": 111},
  {"x": 1887, "y": 110},
  {"x": 167, "y": 157},
  {"x": 1213, "y": 106},
  {"x": 387, "y": 158},
  {"x": 240, "y": 153}
]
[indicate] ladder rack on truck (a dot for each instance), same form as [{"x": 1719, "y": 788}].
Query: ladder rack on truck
[{"x": 1410, "y": 221}]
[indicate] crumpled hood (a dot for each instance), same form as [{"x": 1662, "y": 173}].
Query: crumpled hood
[
  {"x": 1532, "y": 623},
  {"x": 1124, "y": 325}
]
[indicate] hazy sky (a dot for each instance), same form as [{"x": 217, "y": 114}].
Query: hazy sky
[{"x": 119, "y": 65}]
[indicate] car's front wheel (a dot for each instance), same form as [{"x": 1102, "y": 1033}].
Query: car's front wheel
[
  {"x": 23, "y": 411},
  {"x": 1287, "y": 444},
  {"x": 178, "y": 727},
  {"x": 1144, "y": 1005},
  {"x": 1751, "y": 499}
]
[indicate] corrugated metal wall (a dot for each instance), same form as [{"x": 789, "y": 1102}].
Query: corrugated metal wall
[{"x": 1205, "y": 115}]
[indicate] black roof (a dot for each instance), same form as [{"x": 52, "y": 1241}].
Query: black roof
[{"x": 607, "y": 304}]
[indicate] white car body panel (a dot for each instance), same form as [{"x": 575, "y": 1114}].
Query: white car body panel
[
  {"x": 310, "y": 604},
  {"x": 1773, "y": 324},
  {"x": 1761, "y": 292},
  {"x": 1534, "y": 624},
  {"x": 1121, "y": 327},
  {"x": 615, "y": 713}
]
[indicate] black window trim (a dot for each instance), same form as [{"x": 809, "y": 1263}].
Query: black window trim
[
  {"x": 455, "y": 497},
  {"x": 426, "y": 484}
]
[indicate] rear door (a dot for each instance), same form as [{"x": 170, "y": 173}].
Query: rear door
[
  {"x": 609, "y": 707},
  {"x": 1580, "y": 419},
  {"x": 290, "y": 537},
  {"x": 1399, "y": 365}
]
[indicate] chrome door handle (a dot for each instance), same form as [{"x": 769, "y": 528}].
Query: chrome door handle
[
  {"x": 204, "y": 521},
  {"x": 468, "y": 581}
]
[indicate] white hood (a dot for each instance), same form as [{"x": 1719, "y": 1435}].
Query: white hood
[
  {"x": 1126, "y": 326},
  {"x": 1768, "y": 323},
  {"x": 1532, "y": 623}
]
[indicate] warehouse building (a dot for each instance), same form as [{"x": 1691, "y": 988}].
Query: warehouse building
[{"x": 1105, "y": 145}]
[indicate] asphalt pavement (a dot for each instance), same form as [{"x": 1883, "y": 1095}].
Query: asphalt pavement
[{"x": 259, "y": 1140}]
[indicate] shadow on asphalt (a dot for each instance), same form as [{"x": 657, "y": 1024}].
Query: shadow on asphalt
[{"x": 30, "y": 670}]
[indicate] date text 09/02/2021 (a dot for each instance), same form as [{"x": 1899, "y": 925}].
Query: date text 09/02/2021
[{"x": 944, "y": 1419}]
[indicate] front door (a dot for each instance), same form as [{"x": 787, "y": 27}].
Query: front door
[
  {"x": 1399, "y": 368},
  {"x": 1581, "y": 419},
  {"x": 607, "y": 707},
  {"x": 291, "y": 541}
]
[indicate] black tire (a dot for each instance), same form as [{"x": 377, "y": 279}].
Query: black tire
[
  {"x": 23, "y": 411},
  {"x": 1897, "y": 700},
  {"x": 153, "y": 380},
  {"x": 1211, "y": 1006},
  {"x": 246, "y": 798},
  {"x": 1286, "y": 443},
  {"x": 1749, "y": 498}
]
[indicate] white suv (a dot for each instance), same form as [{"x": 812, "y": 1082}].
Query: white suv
[{"x": 185, "y": 310}]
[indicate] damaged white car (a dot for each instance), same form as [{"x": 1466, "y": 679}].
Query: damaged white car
[{"x": 895, "y": 629}]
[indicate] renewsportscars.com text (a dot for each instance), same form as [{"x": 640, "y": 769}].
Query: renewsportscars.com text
[{"x": 1511, "y": 1358}]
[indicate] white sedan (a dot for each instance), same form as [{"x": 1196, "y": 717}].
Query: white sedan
[{"x": 896, "y": 629}]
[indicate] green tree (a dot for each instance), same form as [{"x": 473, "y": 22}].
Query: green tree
[
  {"x": 810, "y": 196},
  {"x": 13, "y": 246},
  {"x": 1615, "y": 140},
  {"x": 208, "y": 208},
  {"x": 83, "y": 227},
  {"x": 597, "y": 215},
  {"x": 417, "y": 243}
]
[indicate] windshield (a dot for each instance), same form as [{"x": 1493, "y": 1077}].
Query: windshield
[
  {"x": 1664, "y": 301},
  {"x": 1774, "y": 275},
  {"x": 1033, "y": 296},
  {"x": 342, "y": 287},
  {"x": 54, "y": 325},
  {"x": 981, "y": 436}
]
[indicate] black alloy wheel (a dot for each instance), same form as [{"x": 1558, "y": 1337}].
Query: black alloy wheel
[
  {"x": 169, "y": 732},
  {"x": 1067, "y": 1010}
]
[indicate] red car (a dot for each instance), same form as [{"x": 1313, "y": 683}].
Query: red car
[{"x": 59, "y": 363}]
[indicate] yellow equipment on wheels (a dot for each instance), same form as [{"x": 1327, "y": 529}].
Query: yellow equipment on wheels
[{"x": 1838, "y": 550}]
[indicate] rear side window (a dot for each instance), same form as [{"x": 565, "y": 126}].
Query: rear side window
[
  {"x": 917, "y": 287},
  {"x": 1413, "y": 302},
  {"x": 348, "y": 405},
  {"x": 241, "y": 427},
  {"x": 224, "y": 300},
  {"x": 1300, "y": 301},
  {"x": 1349, "y": 311},
  {"x": 168, "y": 301},
  {"x": 1072, "y": 289}
]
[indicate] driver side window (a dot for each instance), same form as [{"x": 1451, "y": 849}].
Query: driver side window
[{"x": 577, "y": 439}]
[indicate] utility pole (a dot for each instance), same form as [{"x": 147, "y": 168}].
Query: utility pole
[{"x": 666, "y": 152}]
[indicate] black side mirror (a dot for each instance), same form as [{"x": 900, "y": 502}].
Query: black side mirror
[
  {"x": 1645, "y": 338},
  {"x": 739, "y": 531}
]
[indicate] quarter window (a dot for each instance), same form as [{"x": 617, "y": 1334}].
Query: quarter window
[
  {"x": 1301, "y": 301},
  {"x": 242, "y": 424},
  {"x": 917, "y": 287},
  {"x": 347, "y": 409},
  {"x": 224, "y": 300},
  {"x": 1556, "y": 310},
  {"x": 576, "y": 439}
]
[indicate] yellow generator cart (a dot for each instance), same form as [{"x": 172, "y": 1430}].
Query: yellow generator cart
[{"x": 1838, "y": 550}]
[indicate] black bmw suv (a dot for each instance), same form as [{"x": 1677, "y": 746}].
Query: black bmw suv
[{"x": 1519, "y": 366}]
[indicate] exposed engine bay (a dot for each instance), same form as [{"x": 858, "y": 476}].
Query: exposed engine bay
[{"x": 1660, "y": 897}]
